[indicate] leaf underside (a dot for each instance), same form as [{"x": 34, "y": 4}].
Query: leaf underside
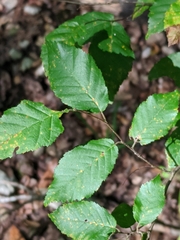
[
  {"x": 27, "y": 127},
  {"x": 81, "y": 171},
  {"x": 84, "y": 221}
]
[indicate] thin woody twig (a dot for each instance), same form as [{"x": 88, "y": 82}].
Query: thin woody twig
[
  {"x": 120, "y": 139},
  {"x": 105, "y": 3},
  {"x": 126, "y": 145},
  {"x": 15, "y": 184},
  {"x": 89, "y": 3},
  {"x": 20, "y": 197}
]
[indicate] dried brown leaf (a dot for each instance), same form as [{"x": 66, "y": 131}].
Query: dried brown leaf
[
  {"x": 173, "y": 34},
  {"x": 13, "y": 233}
]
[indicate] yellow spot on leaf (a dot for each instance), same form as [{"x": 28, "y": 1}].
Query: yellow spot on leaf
[{"x": 102, "y": 154}]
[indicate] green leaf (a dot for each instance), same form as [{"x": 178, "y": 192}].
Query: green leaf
[
  {"x": 145, "y": 236},
  {"x": 114, "y": 67},
  {"x": 77, "y": 31},
  {"x": 81, "y": 171},
  {"x": 157, "y": 15},
  {"x": 75, "y": 78},
  {"x": 170, "y": 161},
  {"x": 80, "y": 29},
  {"x": 27, "y": 127},
  {"x": 124, "y": 215},
  {"x": 149, "y": 201},
  {"x": 83, "y": 221},
  {"x": 173, "y": 147},
  {"x": 168, "y": 66},
  {"x": 172, "y": 15},
  {"x": 139, "y": 10},
  {"x": 117, "y": 41},
  {"x": 154, "y": 117},
  {"x": 141, "y": 7}
]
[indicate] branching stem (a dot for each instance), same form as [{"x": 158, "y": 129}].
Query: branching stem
[
  {"x": 126, "y": 145},
  {"x": 120, "y": 139}
]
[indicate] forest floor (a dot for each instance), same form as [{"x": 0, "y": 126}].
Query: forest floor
[{"x": 25, "y": 178}]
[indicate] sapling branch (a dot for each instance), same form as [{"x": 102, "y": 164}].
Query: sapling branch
[
  {"x": 105, "y": 3},
  {"x": 134, "y": 143},
  {"x": 130, "y": 148},
  {"x": 15, "y": 184},
  {"x": 139, "y": 156},
  {"x": 151, "y": 229},
  {"x": 88, "y": 113},
  {"x": 120, "y": 139},
  {"x": 139, "y": 169},
  {"x": 89, "y": 3},
  {"x": 96, "y": 163},
  {"x": 103, "y": 117},
  {"x": 20, "y": 198}
]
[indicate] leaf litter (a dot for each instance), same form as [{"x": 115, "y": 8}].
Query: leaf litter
[{"x": 34, "y": 170}]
